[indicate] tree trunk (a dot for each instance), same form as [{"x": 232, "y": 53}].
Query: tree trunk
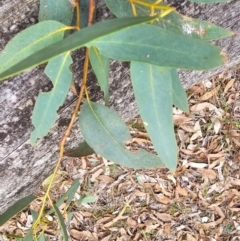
[{"x": 24, "y": 167}]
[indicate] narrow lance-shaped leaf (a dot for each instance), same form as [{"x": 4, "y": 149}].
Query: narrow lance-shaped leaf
[
  {"x": 62, "y": 224},
  {"x": 16, "y": 208},
  {"x": 173, "y": 21},
  {"x": 29, "y": 236},
  {"x": 59, "y": 10},
  {"x": 152, "y": 87},
  {"x": 84, "y": 12},
  {"x": 192, "y": 27},
  {"x": 83, "y": 149},
  {"x": 155, "y": 45},
  {"x": 178, "y": 93},
  {"x": 68, "y": 195},
  {"x": 100, "y": 65},
  {"x": 47, "y": 104},
  {"x": 42, "y": 237},
  {"x": 74, "y": 41},
  {"x": 106, "y": 133},
  {"x": 30, "y": 41}
]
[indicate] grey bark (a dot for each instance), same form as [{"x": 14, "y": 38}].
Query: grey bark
[{"x": 23, "y": 167}]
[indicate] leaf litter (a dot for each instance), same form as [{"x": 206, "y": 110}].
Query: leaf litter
[{"x": 200, "y": 201}]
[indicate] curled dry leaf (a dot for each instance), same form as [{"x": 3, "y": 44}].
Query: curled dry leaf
[
  {"x": 210, "y": 94},
  {"x": 201, "y": 107},
  {"x": 228, "y": 85}
]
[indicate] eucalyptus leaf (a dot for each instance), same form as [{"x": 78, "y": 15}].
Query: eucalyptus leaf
[
  {"x": 173, "y": 21},
  {"x": 47, "y": 104},
  {"x": 29, "y": 236},
  {"x": 84, "y": 12},
  {"x": 100, "y": 65},
  {"x": 152, "y": 87},
  {"x": 155, "y": 45},
  {"x": 68, "y": 195},
  {"x": 34, "y": 215},
  {"x": 83, "y": 149},
  {"x": 192, "y": 27},
  {"x": 62, "y": 224},
  {"x": 85, "y": 199},
  {"x": 59, "y": 10},
  {"x": 16, "y": 208},
  {"x": 74, "y": 41},
  {"x": 29, "y": 41},
  {"x": 42, "y": 237},
  {"x": 178, "y": 93},
  {"x": 106, "y": 133}
]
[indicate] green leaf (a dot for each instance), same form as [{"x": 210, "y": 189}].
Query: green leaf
[
  {"x": 84, "y": 11},
  {"x": 69, "y": 217},
  {"x": 34, "y": 215},
  {"x": 68, "y": 195},
  {"x": 29, "y": 236},
  {"x": 152, "y": 87},
  {"x": 83, "y": 149},
  {"x": 59, "y": 10},
  {"x": 72, "y": 190},
  {"x": 85, "y": 199},
  {"x": 178, "y": 93},
  {"x": 210, "y": 1},
  {"x": 74, "y": 41},
  {"x": 155, "y": 45},
  {"x": 47, "y": 104},
  {"x": 42, "y": 237},
  {"x": 62, "y": 224},
  {"x": 16, "y": 208},
  {"x": 100, "y": 65},
  {"x": 120, "y": 8},
  {"x": 123, "y": 8},
  {"x": 174, "y": 21},
  {"x": 106, "y": 133},
  {"x": 29, "y": 41},
  {"x": 191, "y": 27}
]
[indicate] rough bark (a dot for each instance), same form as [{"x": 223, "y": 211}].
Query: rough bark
[{"x": 23, "y": 167}]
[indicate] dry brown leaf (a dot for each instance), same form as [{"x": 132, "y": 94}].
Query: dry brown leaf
[
  {"x": 188, "y": 127},
  {"x": 167, "y": 228},
  {"x": 140, "y": 194},
  {"x": 140, "y": 140},
  {"x": 150, "y": 227},
  {"x": 106, "y": 179},
  {"x": 190, "y": 237},
  {"x": 210, "y": 94},
  {"x": 107, "y": 238},
  {"x": 96, "y": 174},
  {"x": 181, "y": 191},
  {"x": 164, "y": 217},
  {"x": 131, "y": 222},
  {"x": 180, "y": 119},
  {"x": 201, "y": 107},
  {"x": 235, "y": 181},
  {"x": 104, "y": 220},
  {"x": 197, "y": 89},
  {"x": 208, "y": 173},
  {"x": 82, "y": 235},
  {"x": 228, "y": 85},
  {"x": 162, "y": 199}
]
